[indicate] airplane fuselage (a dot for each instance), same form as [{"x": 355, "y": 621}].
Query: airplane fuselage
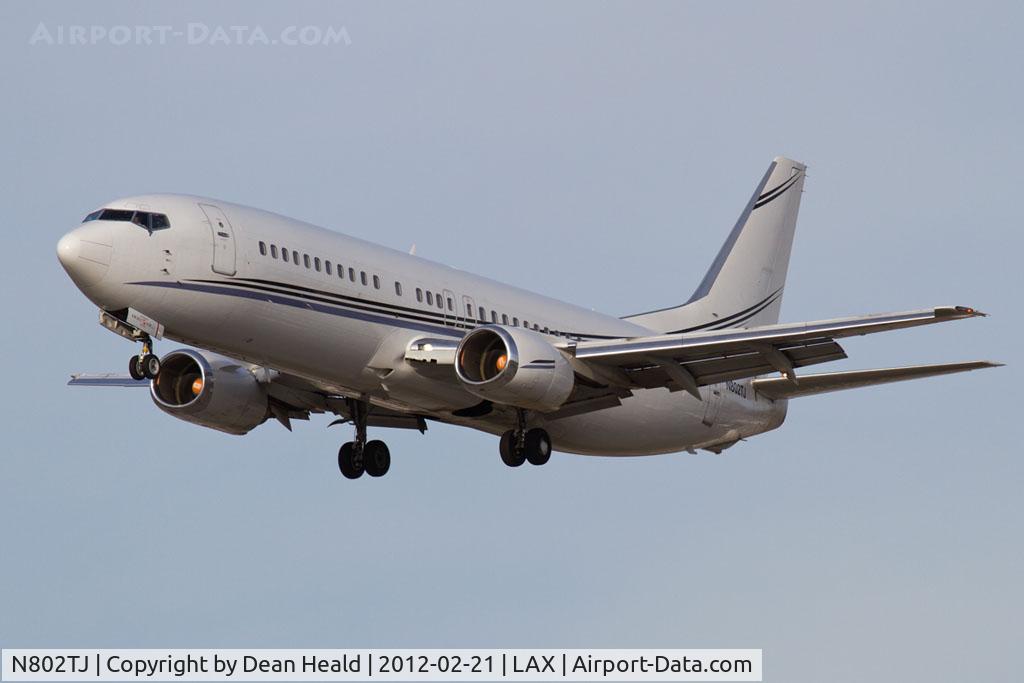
[{"x": 341, "y": 312}]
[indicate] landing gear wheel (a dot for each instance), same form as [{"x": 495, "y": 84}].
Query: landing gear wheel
[
  {"x": 135, "y": 368},
  {"x": 537, "y": 446},
  {"x": 376, "y": 458},
  {"x": 150, "y": 365},
  {"x": 349, "y": 461},
  {"x": 510, "y": 454}
]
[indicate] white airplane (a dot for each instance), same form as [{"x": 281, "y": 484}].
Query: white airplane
[{"x": 293, "y": 319}]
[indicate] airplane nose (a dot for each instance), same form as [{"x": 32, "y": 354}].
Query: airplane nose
[
  {"x": 85, "y": 257},
  {"x": 67, "y": 249}
]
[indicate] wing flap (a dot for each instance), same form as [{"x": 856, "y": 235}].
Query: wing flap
[
  {"x": 738, "y": 366},
  {"x": 809, "y": 385}
]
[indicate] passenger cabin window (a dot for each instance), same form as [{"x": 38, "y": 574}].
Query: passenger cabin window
[
  {"x": 440, "y": 304},
  {"x": 305, "y": 259},
  {"x": 352, "y": 274},
  {"x": 430, "y": 298},
  {"x": 504, "y": 319},
  {"x": 284, "y": 254},
  {"x": 362, "y": 277},
  {"x": 451, "y": 304},
  {"x": 494, "y": 316},
  {"x": 273, "y": 251},
  {"x": 483, "y": 314},
  {"x": 316, "y": 263},
  {"x": 263, "y": 248},
  {"x": 295, "y": 257},
  {"x": 327, "y": 267},
  {"x": 419, "y": 295},
  {"x": 398, "y": 288},
  {"x": 376, "y": 282},
  {"x": 515, "y": 321},
  {"x": 469, "y": 310}
]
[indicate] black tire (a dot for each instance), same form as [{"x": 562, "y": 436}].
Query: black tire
[
  {"x": 376, "y": 458},
  {"x": 537, "y": 446},
  {"x": 135, "y": 368},
  {"x": 150, "y": 366},
  {"x": 510, "y": 455},
  {"x": 351, "y": 466}
]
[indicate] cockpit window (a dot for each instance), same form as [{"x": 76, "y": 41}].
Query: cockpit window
[
  {"x": 110, "y": 215},
  {"x": 144, "y": 219}
]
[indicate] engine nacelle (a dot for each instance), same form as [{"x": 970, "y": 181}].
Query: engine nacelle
[
  {"x": 514, "y": 366},
  {"x": 209, "y": 390}
]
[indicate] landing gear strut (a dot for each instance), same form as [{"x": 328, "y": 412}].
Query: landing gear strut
[
  {"x": 360, "y": 455},
  {"x": 521, "y": 445},
  {"x": 146, "y": 365}
]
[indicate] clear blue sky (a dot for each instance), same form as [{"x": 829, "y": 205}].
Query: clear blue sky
[{"x": 876, "y": 536}]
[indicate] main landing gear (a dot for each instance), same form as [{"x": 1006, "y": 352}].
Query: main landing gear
[
  {"x": 360, "y": 455},
  {"x": 521, "y": 445},
  {"x": 146, "y": 365}
]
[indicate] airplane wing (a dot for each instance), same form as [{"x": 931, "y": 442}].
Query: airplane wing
[
  {"x": 289, "y": 398},
  {"x": 810, "y": 385},
  {"x": 689, "y": 361},
  {"x": 608, "y": 370}
]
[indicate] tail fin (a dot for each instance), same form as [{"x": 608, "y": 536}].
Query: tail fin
[{"x": 743, "y": 287}]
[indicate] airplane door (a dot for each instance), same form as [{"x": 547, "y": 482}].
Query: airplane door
[
  {"x": 468, "y": 309},
  {"x": 451, "y": 307},
  {"x": 712, "y": 402},
  {"x": 223, "y": 240}
]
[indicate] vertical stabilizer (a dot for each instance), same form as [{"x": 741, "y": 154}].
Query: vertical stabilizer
[{"x": 744, "y": 285}]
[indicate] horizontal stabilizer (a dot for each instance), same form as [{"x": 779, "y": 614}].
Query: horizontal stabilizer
[
  {"x": 809, "y": 385},
  {"x": 107, "y": 379}
]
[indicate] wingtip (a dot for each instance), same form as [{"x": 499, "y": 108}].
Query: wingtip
[
  {"x": 959, "y": 312},
  {"x": 983, "y": 365}
]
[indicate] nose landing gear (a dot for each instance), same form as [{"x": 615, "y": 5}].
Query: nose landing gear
[{"x": 146, "y": 365}]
